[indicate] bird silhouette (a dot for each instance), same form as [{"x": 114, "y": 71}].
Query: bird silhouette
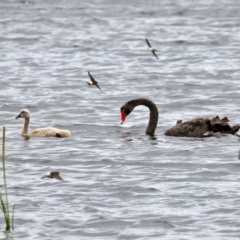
[
  {"x": 53, "y": 175},
  {"x": 93, "y": 81},
  {"x": 152, "y": 49}
]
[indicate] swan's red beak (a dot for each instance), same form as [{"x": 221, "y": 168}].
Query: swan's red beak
[{"x": 123, "y": 116}]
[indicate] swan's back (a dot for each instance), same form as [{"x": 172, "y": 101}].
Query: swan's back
[
  {"x": 200, "y": 126},
  {"x": 193, "y": 128},
  {"x": 49, "y": 132}
]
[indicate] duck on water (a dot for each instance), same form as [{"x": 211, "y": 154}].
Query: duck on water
[{"x": 199, "y": 127}]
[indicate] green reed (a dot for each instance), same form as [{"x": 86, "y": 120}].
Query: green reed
[{"x": 4, "y": 204}]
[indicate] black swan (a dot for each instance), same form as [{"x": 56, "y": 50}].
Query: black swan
[{"x": 199, "y": 127}]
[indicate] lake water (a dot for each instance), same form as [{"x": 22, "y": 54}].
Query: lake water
[{"x": 118, "y": 182}]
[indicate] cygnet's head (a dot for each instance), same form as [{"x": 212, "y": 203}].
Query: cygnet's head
[{"x": 23, "y": 114}]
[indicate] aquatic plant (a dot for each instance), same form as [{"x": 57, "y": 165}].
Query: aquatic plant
[{"x": 4, "y": 204}]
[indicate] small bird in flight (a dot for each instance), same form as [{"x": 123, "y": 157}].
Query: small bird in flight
[
  {"x": 152, "y": 49},
  {"x": 53, "y": 175},
  {"x": 93, "y": 81}
]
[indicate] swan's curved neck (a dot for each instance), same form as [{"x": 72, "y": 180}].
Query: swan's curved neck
[
  {"x": 153, "y": 119},
  {"x": 25, "y": 126}
]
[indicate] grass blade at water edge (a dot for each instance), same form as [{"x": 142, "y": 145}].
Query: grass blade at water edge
[{"x": 5, "y": 206}]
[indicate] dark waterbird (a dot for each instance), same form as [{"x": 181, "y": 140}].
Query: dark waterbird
[
  {"x": 53, "y": 175},
  {"x": 199, "y": 127}
]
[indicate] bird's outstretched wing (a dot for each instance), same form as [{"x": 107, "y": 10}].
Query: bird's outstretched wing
[
  {"x": 92, "y": 78},
  {"x": 94, "y": 82},
  {"x": 155, "y": 54},
  {"x": 148, "y": 43}
]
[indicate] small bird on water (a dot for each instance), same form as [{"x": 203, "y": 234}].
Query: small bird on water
[
  {"x": 152, "y": 49},
  {"x": 93, "y": 81},
  {"x": 53, "y": 175}
]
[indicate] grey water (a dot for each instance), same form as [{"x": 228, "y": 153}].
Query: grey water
[{"x": 118, "y": 182}]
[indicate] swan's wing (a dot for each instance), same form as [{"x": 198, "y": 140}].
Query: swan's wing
[
  {"x": 235, "y": 128},
  {"x": 225, "y": 119},
  {"x": 46, "y": 132},
  {"x": 179, "y": 121},
  {"x": 200, "y": 126},
  {"x": 148, "y": 43},
  {"x": 193, "y": 128},
  {"x": 222, "y": 126},
  {"x": 36, "y": 133}
]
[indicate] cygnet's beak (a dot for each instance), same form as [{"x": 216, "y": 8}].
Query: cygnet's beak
[{"x": 18, "y": 116}]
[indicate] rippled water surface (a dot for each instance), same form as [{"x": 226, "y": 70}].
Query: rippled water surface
[{"x": 118, "y": 182}]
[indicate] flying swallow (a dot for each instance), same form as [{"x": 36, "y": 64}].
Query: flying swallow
[
  {"x": 93, "y": 81},
  {"x": 53, "y": 175},
  {"x": 152, "y": 49}
]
